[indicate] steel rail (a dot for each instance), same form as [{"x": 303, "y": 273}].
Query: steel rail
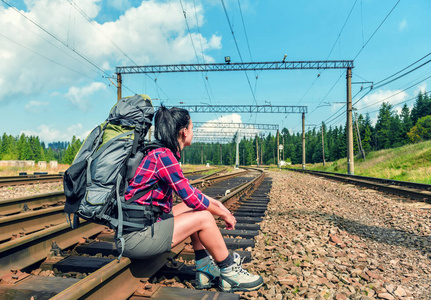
[
  {"x": 211, "y": 179},
  {"x": 29, "y": 176},
  {"x": 417, "y": 191},
  {"x": 416, "y": 185},
  {"x": 30, "y": 222},
  {"x": 21, "y": 181},
  {"x": 28, "y": 250},
  {"x": 16, "y": 205}
]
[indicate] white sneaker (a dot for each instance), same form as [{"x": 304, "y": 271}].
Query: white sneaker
[{"x": 235, "y": 278}]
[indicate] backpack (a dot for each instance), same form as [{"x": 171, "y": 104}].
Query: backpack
[{"x": 95, "y": 183}]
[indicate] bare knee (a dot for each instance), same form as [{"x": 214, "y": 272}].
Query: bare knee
[{"x": 205, "y": 218}]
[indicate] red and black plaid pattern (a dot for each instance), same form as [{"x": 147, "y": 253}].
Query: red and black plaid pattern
[{"x": 160, "y": 165}]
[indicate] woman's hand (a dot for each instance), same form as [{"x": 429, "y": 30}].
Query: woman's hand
[
  {"x": 229, "y": 220},
  {"x": 217, "y": 208}
]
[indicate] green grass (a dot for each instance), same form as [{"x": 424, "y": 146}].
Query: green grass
[{"x": 406, "y": 163}]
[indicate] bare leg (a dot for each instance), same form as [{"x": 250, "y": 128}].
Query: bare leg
[
  {"x": 182, "y": 208},
  {"x": 202, "y": 228}
]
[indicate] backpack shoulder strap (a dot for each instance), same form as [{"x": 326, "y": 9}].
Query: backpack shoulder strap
[{"x": 141, "y": 193}]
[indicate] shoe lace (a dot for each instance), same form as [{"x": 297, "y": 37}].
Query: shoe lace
[{"x": 240, "y": 269}]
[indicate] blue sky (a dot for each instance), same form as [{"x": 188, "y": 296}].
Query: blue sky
[{"x": 53, "y": 80}]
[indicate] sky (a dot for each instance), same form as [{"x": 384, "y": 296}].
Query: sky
[{"x": 58, "y": 58}]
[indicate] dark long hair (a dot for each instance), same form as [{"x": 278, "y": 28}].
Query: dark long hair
[{"x": 168, "y": 123}]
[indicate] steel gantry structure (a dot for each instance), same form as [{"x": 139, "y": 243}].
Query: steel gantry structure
[
  {"x": 250, "y": 126},
  {"x": 246, "y": 66},
  {"x": 259, "y": 66},
  {"x": 274, "y": 109}
]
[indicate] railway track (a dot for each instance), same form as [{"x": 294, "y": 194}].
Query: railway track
[
  {"x": 49, "y": 259},
  {"x": 411, "y": 190},
  {"x": 29, "y": 179},
  {"x": 42, "y": 178}
]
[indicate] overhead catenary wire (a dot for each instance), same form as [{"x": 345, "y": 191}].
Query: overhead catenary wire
[
  {"x": 393, "y": 95},
  {"x": 237, "y": 48},
  {"x": 330, "y": 52},
  {"x": 375, "y": 31},
  {"x": 369, "y": 39},
  {"x": 53, "y": 45},
  {"x": 94, "y": 24},
  {"x": 45, "y": 57},
  {"x": 57, "y": 38},
  {"x": 202, "y": 53},
  {"x": 194, "y": 48},
  {"x": 404, "y": 101}
]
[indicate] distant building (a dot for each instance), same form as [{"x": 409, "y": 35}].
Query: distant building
[
  {"x": 17, "y": 163},
  {"x": 42, "y": 165}
]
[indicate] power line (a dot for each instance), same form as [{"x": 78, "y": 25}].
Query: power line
[
  {"x": 68, "y": 54},
  {"x": 404, "y": 69},
  {"x": 237, "y": 48},
  {"x": 402, "y": 75},
  {"x": 202, "y": 52},
  {"x": 342, "y": 28},
  {"x": 56, "y": 38},
  {"x": 393, "y": 95},
  {"x": 330, "y": 52},
  {"x": 194, "y": 48},
  {"x": 98, "y": 29},
  {"x": 245, "y": 31},
  {"x": 377, "y": 29},
  {"x": 402, "y": 102},
  {"x": 47, "y": 58}
]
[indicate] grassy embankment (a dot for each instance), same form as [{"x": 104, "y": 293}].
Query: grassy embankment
[{"x": 406, "y": 163}]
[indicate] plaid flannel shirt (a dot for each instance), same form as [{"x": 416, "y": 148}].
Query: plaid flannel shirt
[{"x": 160, "y": 165}]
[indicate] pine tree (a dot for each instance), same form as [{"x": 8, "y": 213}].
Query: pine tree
[
  {"x": 421, "y": 108},
  {"x": 383, "y": 126},
  {"x": 406, "y": 122}
]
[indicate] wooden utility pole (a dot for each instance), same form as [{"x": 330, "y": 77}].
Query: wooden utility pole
[
  {"x": 323, "y": 147},
  {"x": 359, "y": 138},
  {"x": 221, "y": 155},
  {"x": 303, "y": 141},
  {"x": 119, "y": 80},
  {"x": 257, "y": 151},
  {"x": 349, "y": 125},
  {"x": 278, "y": 150}
]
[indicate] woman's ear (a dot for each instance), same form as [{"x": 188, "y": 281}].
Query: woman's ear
[{"x": 184, "y": 132}]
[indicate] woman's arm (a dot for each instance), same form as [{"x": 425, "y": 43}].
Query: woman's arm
[{"x": 218, "y": 209}]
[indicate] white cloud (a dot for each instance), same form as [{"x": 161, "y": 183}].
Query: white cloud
[
  {"x": 421, "y": 88},
  {"x": 402, "y": 25},
  {"x": 50, "y": 133},
  {"x": 34, "y": 106},
  {"x": 374, "y": 101},
  {"x": 119, "y": 4},
  {"x": 154, "y": 32},
  {"x": 80, "y": 97}
]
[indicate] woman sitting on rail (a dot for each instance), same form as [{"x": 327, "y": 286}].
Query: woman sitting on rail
[{"x": 192, "y": 218}]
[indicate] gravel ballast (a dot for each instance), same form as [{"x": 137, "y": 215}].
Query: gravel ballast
[{"x": 327, "y": 240}]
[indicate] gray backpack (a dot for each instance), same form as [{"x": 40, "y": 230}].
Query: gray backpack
[{"x": 95, "y": 183}]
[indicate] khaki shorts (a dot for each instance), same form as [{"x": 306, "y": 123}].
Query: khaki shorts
[{"x": 142, "y": 244}]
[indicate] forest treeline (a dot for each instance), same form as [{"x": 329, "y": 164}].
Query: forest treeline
[{"x": 392, "y": 129}]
